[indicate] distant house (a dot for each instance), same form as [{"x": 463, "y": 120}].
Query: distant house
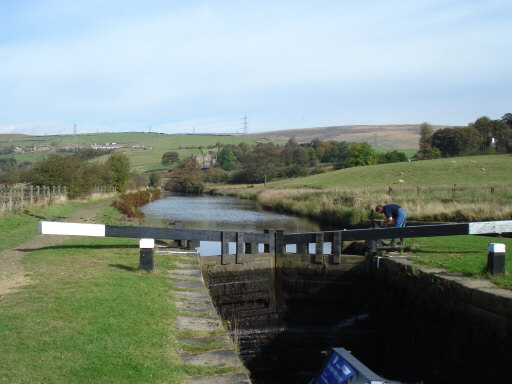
[
  {"x": 33, "y": 148},
  {"x": 106, "y": 146},
  {"x": 206, "y": 161}
]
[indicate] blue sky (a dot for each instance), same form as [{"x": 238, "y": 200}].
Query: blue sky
[{"x": 201, "y": 66}]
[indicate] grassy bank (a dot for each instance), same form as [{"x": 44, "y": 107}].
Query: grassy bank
[
  {"x": 465, "y": 255},
  {"x": 90, "y": 317},
  {"x": 16, "y": 228},
  {"x": 449, "y": 190}
]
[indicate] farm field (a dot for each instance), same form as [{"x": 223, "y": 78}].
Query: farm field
[
  {"x": 141, "y": 160},
  {"x": 460, "y": 171}
]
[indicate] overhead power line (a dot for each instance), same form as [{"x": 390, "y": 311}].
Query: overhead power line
[{"x": 245, "y": 125}]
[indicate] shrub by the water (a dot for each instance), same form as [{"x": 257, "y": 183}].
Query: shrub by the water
[{"x": 129, "y": 203}]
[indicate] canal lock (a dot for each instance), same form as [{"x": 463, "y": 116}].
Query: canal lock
[
  {"x": 284, "y": 318},
  {"x": 286, "y": 315}
]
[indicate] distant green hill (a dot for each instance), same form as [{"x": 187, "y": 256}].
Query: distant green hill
[
  {"x": 472, "y": 170},
  {"x": 148, "y": 160},
  {"x": 141, "y": 160}
]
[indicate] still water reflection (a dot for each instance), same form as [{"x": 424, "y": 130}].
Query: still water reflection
[{"x": 220, "y": 214}]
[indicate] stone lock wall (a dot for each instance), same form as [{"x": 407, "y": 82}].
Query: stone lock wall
[
  {"x": 441, "y": 327},
  {"x": 286, "y": 313}
]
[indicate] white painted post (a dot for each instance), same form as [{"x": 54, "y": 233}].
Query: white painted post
[{"x": 496, "y": 258}]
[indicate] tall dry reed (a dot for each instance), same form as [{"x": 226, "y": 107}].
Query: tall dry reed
[{"x": 353, "y": 207}]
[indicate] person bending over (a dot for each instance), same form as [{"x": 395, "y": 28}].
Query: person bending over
[{"x": 394, "y": 214}]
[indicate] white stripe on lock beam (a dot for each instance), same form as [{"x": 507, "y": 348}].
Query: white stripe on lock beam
[
  {"x": 72, "y": 229},
  {"x": 483, "y": 227}
]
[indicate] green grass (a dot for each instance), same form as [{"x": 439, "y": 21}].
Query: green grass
[
  {"x": 91, "y": 317},
  {"x": 16, "y": 228},
  {"x": 109, "y": 215},
  {"x": 88, "y": 315},
  {"x": 465, "y": 255},
  {"x": 460, "y": 170}
]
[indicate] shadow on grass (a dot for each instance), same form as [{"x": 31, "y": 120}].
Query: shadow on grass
[
  {"x": 123, "y": 267},
  {"x": 445, "y": 252},
  {"x": 57, "y": 247}
]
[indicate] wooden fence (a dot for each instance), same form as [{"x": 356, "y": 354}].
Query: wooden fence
[
  {"x": 18, "y": 198},
  {"x": 14, "y": 198}
]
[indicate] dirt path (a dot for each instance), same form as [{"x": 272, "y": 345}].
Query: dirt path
[{"x": 12, "y": 274}]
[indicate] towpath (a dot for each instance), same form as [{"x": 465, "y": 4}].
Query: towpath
[{"x": 12, "y": 274}]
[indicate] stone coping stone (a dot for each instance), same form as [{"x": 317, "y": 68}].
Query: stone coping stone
[
  {"x": 186, "y": 265},
  {"x": 187, "y": 323},
  {"x": 233, "y": 378},
  {"x": 185, "y": 284},
  {"x": 222, "y": 338},
  {"x": 194, "y": 307},
  {"x": 219, "y": 358},
  {"x": 186, "y": 272},
  {"x": 198, "y": 296},
  {"x": 177, "y": 276}
]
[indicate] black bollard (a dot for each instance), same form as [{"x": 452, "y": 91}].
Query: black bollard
[
  {"x": 147, "y": 254},
  {"x": 496, "y": 258}
]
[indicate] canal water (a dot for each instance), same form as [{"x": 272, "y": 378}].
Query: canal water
[{"x": 222, "y": 214}]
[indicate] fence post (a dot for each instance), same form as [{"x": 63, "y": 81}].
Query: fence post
[
  {"x": 271, "y": 246},
  {"x": 37, "y": 192},
  {"x": 279, "y": 243},
  {"x": 240, "y": 247},
  {"x": 319, "y": 249},
  {"x": 337, "y": 246},
  {"x": 10, "y": 198},
  {"x": 302, "y": 248},
  {"x": 22, "y": 196},
  {"x": 31, "y": 194},
  {"x": 179, "y": 225},
  {"x": 224, "y": 238},
  {"x": 390, "y": 190}
]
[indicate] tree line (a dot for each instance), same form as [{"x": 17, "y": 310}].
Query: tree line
[
  {"x": 73, "y": 171},
  {"x": 243, "y": 163},
  {"x": 484, "y": 136}
]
